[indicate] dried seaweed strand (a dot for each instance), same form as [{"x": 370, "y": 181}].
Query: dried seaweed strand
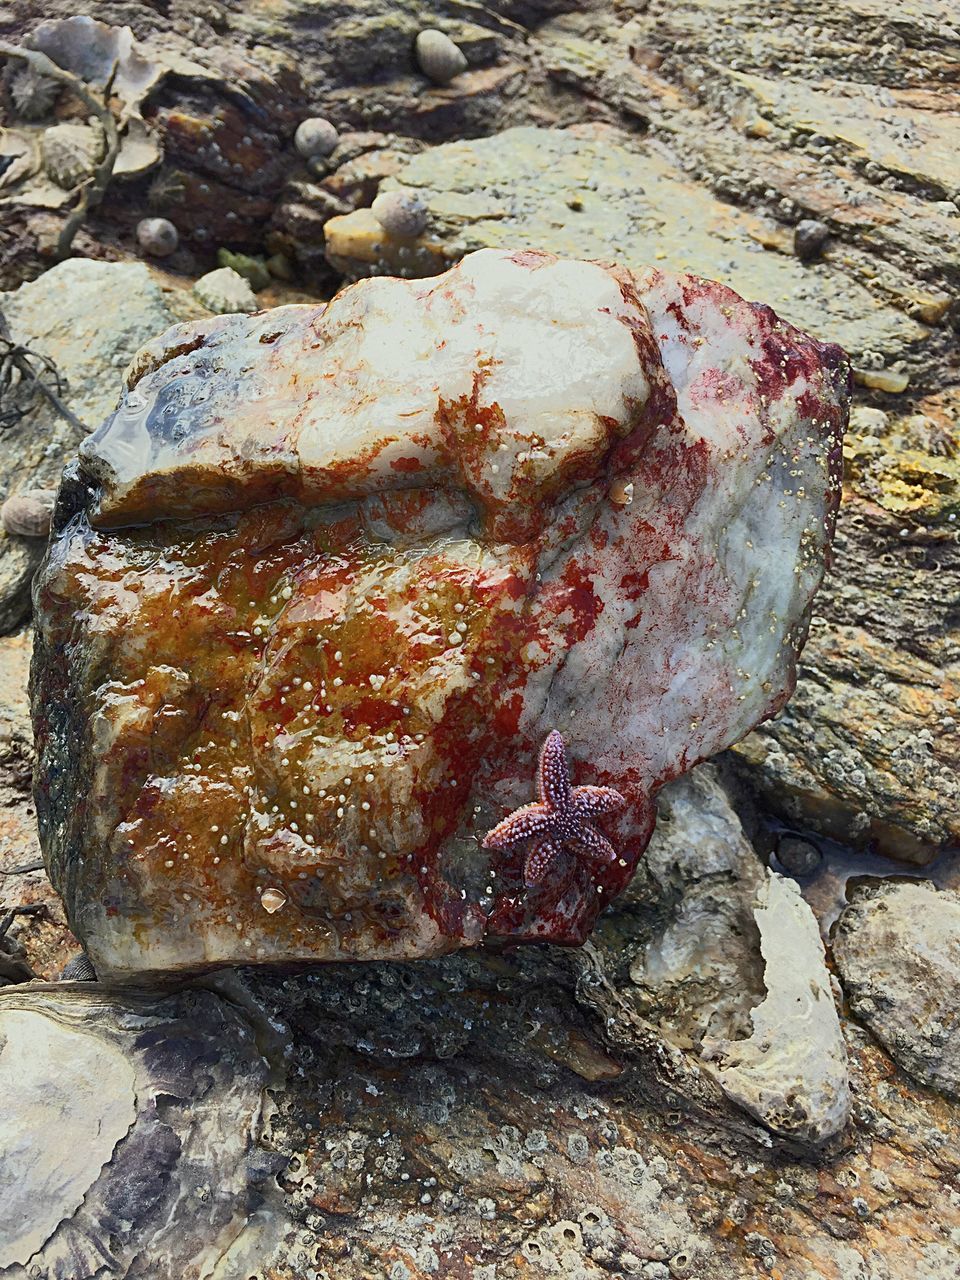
[{"x": 14, "y": 357}]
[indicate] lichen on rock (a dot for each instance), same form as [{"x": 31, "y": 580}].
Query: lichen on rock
[{"x": 321, "y": 586}]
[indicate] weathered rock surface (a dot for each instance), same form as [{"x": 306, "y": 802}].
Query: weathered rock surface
[
  {"x": 225, "y": 291},
  {"x": 385, "y": 561},
  {"x": 731, "y": 965},
  {"x": 555, "y": 1144},
  {"x": 868, "y": 750},
  {"x": 864, "y": 752},
  {"x": 594, "y": 192},
  {"x": 792, "y": 1071},
  {"x": 461, "y": 1117},
  {"x": 132, "y": 1145},
  {"x": 898, "y": 950},
  {"x": 89, "y": 318}
]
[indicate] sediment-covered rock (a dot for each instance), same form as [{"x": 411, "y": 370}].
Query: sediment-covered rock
[
  {"x": 320, "y": 588},
  {"x": 897, "y": 947}
]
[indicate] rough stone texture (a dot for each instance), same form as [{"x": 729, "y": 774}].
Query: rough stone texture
[
  {"x": 497, "y": 1112},
  {"x": 89, "y": 318},
  {"x": 577, "y": 191},
  {"x": 444, "y": 571},
  {"x": 732, "y": 966},
  {"x": 699, "y": 972},
  {"x": 898, "y": 950},
  {"x": 792, "y": 1071},
  {"x": 471, "y": 1117},
  {"x": 225, "y": 291},
  {"x": 132, "y": 1144},
  {"x": 871, "y": 760},
  {"x": 868, "y": 750}
]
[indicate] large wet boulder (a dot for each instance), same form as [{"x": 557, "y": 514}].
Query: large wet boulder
[{"x": 322, "y": 586}]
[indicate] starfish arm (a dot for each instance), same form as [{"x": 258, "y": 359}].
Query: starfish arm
[
  {"x": 597, "y": 847},
  {"x": 531, "y": 820},
  {"x": 539, "y": 861},
  {"x": 588, "y": 802},
  {"x": 553, "y": 775}
]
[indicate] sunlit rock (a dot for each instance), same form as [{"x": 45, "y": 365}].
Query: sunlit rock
[{"x": 319, "y": 589}]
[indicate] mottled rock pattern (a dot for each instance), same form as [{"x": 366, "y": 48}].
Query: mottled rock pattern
[
  {"x": 470, "y": 1117},
  {"x": 868, "y": 750},
  {"x": 89, "y": 318},
  {"x": 898, "y": 951},
  {"x": 114, "y": 1154},
  {"x": 382, "y": 572}
]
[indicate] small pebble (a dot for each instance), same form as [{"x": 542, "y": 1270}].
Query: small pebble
[
  {"x": 797, "y": 855},
  {"x": 809, "y": 237},
  {"x": 157, "y": 236},
  {"x": 439, "y": 58},
  {"x": 315, "y": 137},
  {"x": 401, "y": 213},
  {"x": 28, "y": 514}
]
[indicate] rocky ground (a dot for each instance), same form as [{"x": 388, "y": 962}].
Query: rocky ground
[{"x": 653, "y": 1105}]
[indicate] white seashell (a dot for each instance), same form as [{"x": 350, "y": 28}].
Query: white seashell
[
  {"x": 224, "y": 291},
  {"x": 28, "y": 514},
  {"x": 439, "y": 58},
  {"x": 272, "y": 899},
  {"x": 157, "y": 236},
  {"x": 401, "y": 213},
  {"x": 315, "y": 137},
  {"x": 71, "y": 153}
]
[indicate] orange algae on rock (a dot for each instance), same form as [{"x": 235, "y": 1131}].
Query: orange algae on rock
[{"x": 320, "y": 588}]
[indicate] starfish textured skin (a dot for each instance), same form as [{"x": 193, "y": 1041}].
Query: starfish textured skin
[{"x": 562, "y": 816}]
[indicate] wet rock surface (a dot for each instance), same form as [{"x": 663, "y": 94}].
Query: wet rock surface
[
  {"x": 898, "y": 950},
  {"x": 479, "y": 1115},
  {"x": 371, "y": 589}
]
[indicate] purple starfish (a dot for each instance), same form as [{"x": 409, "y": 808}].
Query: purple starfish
[{"x": 562, "y": 817}]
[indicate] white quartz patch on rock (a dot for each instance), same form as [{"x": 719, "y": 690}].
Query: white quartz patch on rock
[
  {"x": 521, "y": 373},
  {"x": 791, "y": 1073}
]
